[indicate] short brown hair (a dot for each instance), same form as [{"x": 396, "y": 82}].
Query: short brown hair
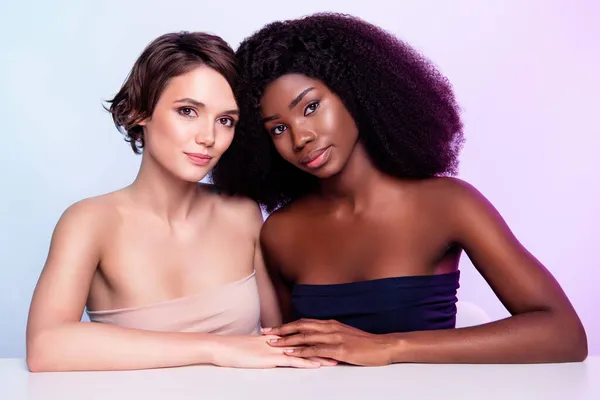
[{"x": 166, "y": 57}]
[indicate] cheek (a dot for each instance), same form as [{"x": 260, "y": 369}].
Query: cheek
[
  {"x": 348, "y": 125},
  {"x": 328, "y": 121},
  {"x": 345, "y": 131},
  {"x": 166, "y": 139},
  {"x": 335, "y": 125},
  {"x": 164, "y": 131}
]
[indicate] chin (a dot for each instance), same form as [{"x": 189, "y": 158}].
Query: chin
[
  {"x": 325, "y": 172},
  {"x": 190, "y": 179},
  {"x": 192, "y": 176}
]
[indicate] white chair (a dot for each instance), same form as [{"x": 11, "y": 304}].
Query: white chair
[{"x": 469, "y": 314}]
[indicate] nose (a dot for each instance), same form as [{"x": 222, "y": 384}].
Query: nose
[
  {"x": 206, "y": 135},
  {"x": 301, "y": 138}
]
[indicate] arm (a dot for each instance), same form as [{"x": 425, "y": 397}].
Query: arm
[
  {"x": 282, "y": 291},
  {"x": 58, "y": 341},
  {"x": 270, "y": 314},
  {"x": 543, "y": 327}
]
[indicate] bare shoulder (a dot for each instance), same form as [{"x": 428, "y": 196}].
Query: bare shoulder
[
  {"x": 93, "y": 212},
  {"x": 272, "y": 225},
  {"x": 80, "y": 232},
  {"x": 241, "y": 210},
  {"x": 452, "y": 193},
  {"x": 465, "y": 211},
  {"x": 280, "y": 224},
  {"x": 450, "y": 186}
]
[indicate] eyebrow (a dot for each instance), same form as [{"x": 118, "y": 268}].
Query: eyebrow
[
  {"x": 292, "y": 104},
  {"x": 299, "y": 98},
  {"x": 191, "y": 101},
  {"x": 199, "y": 104}
]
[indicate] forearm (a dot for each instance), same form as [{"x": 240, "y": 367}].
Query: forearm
[
  {"x": 93, "y": 346},
  {"x": 535, "y": 337}
]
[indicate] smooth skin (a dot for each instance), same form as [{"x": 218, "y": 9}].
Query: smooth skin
[
  {"x": 365, "y": 225},
  {"x": 163, "y": 237}
]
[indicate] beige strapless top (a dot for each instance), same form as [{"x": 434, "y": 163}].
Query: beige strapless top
[{"x": 232, "y": 309}]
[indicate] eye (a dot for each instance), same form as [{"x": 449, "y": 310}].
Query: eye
[
  {"x": 187, "y": 112},
  {"x": 229, "y": 122},
  {"x": 278, "y": 130},
  {"x": 311, "y": 108}
]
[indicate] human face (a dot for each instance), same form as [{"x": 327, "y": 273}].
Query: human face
[
  {"x": 309, "y": 125},
  {"x": 192, "y": 124}
]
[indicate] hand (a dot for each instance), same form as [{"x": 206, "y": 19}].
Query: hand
[
  {"x": 254, "y": 352},
  {"x": 308, "y": 338}
]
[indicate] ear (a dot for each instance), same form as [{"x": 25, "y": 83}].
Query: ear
[{"x": 140, "y": 119}]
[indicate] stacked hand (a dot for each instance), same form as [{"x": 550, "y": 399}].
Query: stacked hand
[
  {"x": 308, "y": 338},
  {"x": 255, "y": 352}
]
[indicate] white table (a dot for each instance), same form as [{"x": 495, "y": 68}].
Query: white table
[{"x": 407, "y": 381}]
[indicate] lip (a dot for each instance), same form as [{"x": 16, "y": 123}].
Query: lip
[
  {"x": 199, "y": 158},
  {"x": 316, "y": 158}
]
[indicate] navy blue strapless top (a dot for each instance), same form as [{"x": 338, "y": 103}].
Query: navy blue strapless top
[{"x": 388, "y": 305}]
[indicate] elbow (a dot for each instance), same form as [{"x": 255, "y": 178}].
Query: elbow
[
  {"x": 39, "y": 357},
  {"x": 36, "y": 363},
  {"x": 579, "y": 345},
  {"x": 35, "y": 359},
  {"x": 572, "y": 340}
]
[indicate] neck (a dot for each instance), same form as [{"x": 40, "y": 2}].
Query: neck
[
  {"x": 356, "y": 184},
  {"x": 161, "y": 192}
]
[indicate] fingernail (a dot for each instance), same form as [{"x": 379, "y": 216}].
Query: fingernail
[
  {"x": 272, "y": 340},
  {"x": 288, "y": 350},
  {"x": 266, "y": 329}
]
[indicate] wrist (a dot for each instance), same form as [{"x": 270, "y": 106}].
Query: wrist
[
  {"x": 207, "y": 348},
  {"x": 396, "y": 347}
]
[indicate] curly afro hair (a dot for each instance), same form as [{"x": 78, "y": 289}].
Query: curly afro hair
[{"x": 404, "y": 108}]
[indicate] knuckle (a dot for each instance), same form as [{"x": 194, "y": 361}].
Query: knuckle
[{"x": 304, "y": 323}]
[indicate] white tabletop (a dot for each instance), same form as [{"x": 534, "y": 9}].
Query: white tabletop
[{"x": 401, "y": 381}]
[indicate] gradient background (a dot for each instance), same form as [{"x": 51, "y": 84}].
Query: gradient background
[{"x": 525, "y": 73}]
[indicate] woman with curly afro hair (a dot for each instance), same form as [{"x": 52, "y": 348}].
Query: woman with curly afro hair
[{"x": 351, "y": 139}]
